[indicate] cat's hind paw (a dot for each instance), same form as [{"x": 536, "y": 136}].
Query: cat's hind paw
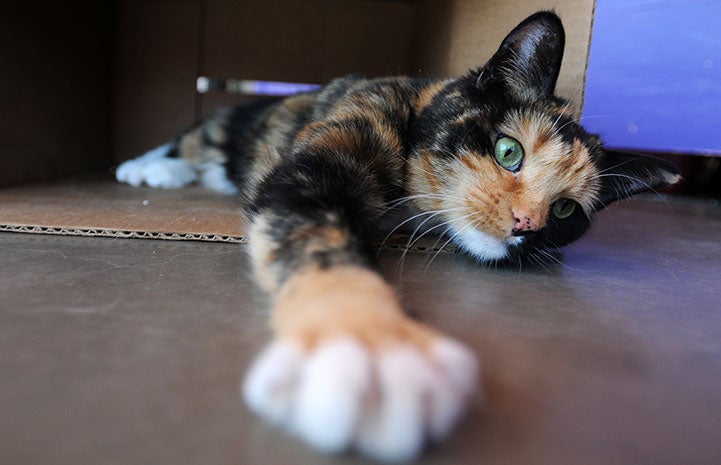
[
  {"x": 385, "y": 402},
  {"x": 156, "y": 170}
]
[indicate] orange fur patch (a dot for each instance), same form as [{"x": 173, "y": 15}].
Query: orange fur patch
[
  {"x": 427, "y": 94},
  {"x": 424, "y": 180},
  {"x": 317, "y": 305},
  {"x": 215, "y": 128},
  {"x": 192, "y": 148},
  {"x": 190, "y": 145},
  {"x": 318, "y": 136},
  {"x": 489, "y": 193},
  {"x": 318, "y": 239}
]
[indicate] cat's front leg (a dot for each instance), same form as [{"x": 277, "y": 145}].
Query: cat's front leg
[{"x": 348, "y": 369}]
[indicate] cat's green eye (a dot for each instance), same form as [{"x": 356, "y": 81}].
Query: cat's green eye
[
  {"x": 509, "y": 153},
  {"x": 563, "y": 208}
]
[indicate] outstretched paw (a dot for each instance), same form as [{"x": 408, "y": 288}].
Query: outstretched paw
[{"x": 384, "y": 401}]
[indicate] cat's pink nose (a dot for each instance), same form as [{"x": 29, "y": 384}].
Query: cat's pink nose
[{"x": 525, "y": 223}]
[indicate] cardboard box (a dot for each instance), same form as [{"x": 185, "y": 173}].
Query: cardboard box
[{"x": 91, "y": 84}]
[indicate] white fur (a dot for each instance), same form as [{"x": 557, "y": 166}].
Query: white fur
[
  {"x": 272, "y": 380},
  {"x": 168, "y": 173},
  {"x": 329, "y": 400},
  {"x": 155, "y": 169},
  {"x": 483, "y": 245},
  {"x": 385, "y": 403},
  {"x": 213, "y": 176},
  {"x": 456, "y": 383},
  {"x": 131, "y": 170},
  {"x": 394, "y": 428}
]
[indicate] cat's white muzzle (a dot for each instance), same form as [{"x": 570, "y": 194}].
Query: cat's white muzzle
[{"x": 484, "y": 246}]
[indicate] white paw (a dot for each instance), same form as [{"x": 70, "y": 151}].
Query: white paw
[
  {"x": 386, "y": 403},
  {"x": 156, "y": 170},
  {"x": 214, "y": 176},
  {"x": 169, "y": 173},
  {"x": 130, "y": 172}
]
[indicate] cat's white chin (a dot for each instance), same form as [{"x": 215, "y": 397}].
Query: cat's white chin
[{"x": 484, "y": 246}]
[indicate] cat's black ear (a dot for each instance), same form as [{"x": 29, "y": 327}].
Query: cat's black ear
[
  {"x": 625, "y": 174},
  {"x": 529, "y": 59}
]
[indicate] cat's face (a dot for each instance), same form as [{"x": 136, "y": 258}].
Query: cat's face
[
  {"x": 506, "y": 180},
  {"x": 502, "y": 161}
]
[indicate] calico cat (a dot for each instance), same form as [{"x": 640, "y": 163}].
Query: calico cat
[{"x": 492, "y": 160}]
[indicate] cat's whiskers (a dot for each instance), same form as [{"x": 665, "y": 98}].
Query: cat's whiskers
[
  {"x": 445, "y": 223},
  {"x": 412, "y": 239},
  {"x": 412, "y": 242},
  {"x": 538, "y": 261},
  {"x": 407, "y": 220},
  {"x": 560, "y": 262},
  {"x": 595, "y": 116},
  {"x": 402, "y": 200},
  {"x": 551, "y": 257},
  {"x": 420, "y": 225},
  {"x": 441, "y": 236},
  {"x": 618, "y": 165},
  {"x": 561, "y": 114},
  {"x": 568, "y": 104},
  {"x": 628, "y": 193},
  {"x": 557, "y": 131},
  {"x": 445, "y": 244}
]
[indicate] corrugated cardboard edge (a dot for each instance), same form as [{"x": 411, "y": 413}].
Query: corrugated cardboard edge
[
  {"x": 102, "y": 232},
  {"x": 175, "y": 236}
]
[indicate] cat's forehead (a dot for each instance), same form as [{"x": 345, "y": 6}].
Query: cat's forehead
[{"x": 539, "y": 131}]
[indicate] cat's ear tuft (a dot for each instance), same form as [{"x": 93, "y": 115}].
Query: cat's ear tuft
[
  {"x": 625, "y": 174},
  {"x": 529, "y": 59}
]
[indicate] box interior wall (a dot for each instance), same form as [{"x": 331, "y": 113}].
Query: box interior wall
[{"x": 94, "y": 83}]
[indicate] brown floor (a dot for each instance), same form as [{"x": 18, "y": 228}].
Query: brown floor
[{"x": 129, "y": 351}]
